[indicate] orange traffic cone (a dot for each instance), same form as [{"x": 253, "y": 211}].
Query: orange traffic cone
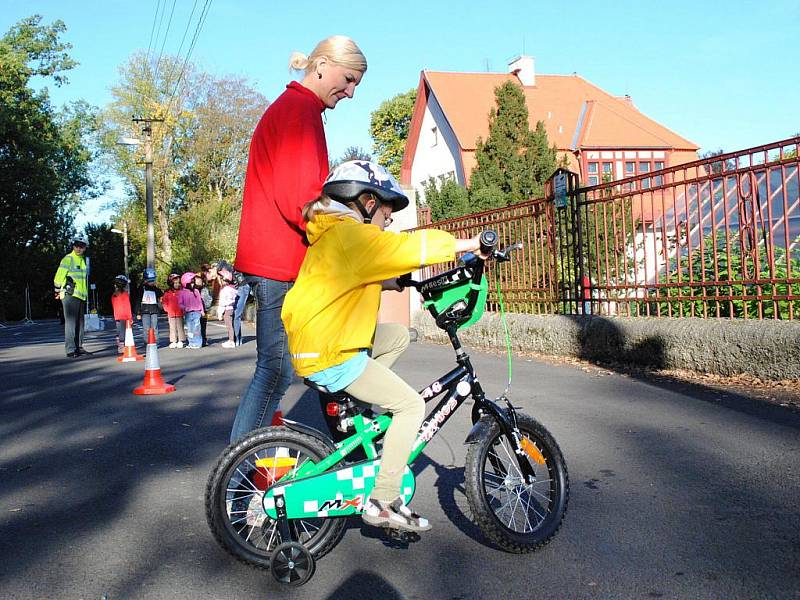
[
  {"x": 153, "y": 382},
  {"x": 129, "y": 354},
  {"x": 277, "y": 418}
]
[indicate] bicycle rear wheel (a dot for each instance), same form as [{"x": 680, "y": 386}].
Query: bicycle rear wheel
[
  {"x": 519, "y": 517},
  {"x": 237, "y": 485}
]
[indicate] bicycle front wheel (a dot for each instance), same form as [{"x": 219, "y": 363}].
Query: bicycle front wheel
[
  {"x": 516, "y": 515},
  {"x": 236, "y": 487}
]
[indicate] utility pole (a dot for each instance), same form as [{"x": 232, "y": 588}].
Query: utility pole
[
  {"x": 125, "y": 247},
  {"x": 147, "y": 131}
]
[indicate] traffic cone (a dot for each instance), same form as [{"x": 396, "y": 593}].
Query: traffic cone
[
  {"x": 129, "y": 353},
  {"x": 153, "y": 382},
  {"x": 277, "y": 418}
]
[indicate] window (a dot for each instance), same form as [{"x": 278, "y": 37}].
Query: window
[
  {"x": 644, "y": 167},
  {"x": 592, "y": 167},
  {"x": 607, "y": 167},
  {"x": 658, "y": 165},
  {"x": 593, "y": 179},
  {"x": 630, "y": 167}
]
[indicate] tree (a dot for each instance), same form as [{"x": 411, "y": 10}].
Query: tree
[
  {"x": 389, "y": 126},
  {"x": 199, "y": 157},
  {"x": 513, "y": 162},
  {"x": 45, "y": 163},
  {"x": 351, "y": 153},
  {"x": 445, "y": 198}
]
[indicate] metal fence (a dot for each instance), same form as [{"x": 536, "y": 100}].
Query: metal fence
[{"x": 713, "y": 238}]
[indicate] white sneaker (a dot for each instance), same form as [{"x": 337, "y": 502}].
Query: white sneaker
[
  {"x": 173, "y": 344},
  {"x": 178, "y": 344},
  {"x": 228, "y": 344}
]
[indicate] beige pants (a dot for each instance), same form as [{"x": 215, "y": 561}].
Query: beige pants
[
  {"x": 176, "y": 333},
  {"x": 378, "y": 384}
]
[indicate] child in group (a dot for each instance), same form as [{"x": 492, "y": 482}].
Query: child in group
[
  {"x": 191, "y": 304},
  {"x": 177, "y": 337},
  {"x": 330, "y": 314},
  {"x": 121, "y": 303},
  {"x": 207, "y": 299},
  {"x": 148, "y": 304},
  {"x": 227, "y": 300}
]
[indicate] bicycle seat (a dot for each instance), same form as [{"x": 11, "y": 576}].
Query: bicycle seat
[{"x": 320, "y": 388}]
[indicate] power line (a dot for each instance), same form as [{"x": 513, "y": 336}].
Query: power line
[
  {"x": 200, "y": 22},
  {"x": 164, "y": 42},
  {"x": 153, "y": 28}
]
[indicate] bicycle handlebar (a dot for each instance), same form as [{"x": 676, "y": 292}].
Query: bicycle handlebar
[{"x": 488, "y": 242}]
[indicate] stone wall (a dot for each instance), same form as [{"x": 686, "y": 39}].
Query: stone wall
[{"x": 766, "y": 349}]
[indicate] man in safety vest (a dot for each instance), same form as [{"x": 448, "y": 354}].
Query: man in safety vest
[{"x": 71, "y": 286}]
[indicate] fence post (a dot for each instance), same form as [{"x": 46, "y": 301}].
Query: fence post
[{"x": 561, "y": 189}]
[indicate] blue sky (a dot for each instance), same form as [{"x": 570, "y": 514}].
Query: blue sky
[{"x": 722, "y": 75}]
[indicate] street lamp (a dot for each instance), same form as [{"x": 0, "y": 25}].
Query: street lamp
[{"x": 124, "y": 233}]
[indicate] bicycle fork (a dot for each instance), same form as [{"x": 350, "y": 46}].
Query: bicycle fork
[{"x": 524, "y": 450}]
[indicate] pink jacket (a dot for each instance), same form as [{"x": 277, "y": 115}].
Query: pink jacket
[{"x": 190, "y": 300}]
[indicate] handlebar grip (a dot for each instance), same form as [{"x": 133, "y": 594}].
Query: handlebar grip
[
  {"x": 488, "y": 241},
  {"x": 405, "y": 280}
]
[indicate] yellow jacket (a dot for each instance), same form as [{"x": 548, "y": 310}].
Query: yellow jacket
[
  {"x": 332, "y": 310},
  {"x": 73, "y": 266}
]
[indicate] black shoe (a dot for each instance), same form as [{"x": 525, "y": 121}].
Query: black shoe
[
  {"x": 72, "y": 355},
  {"x": 81, "y": 351}
]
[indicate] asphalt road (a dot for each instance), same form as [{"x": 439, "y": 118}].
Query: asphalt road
[{"x": 675, "y": 493}]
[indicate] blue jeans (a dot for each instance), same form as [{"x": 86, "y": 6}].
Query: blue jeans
[
  {"x": 274, "y": 370},
  {"x": 242, "y": 294},
  {"x": 149, "y": 320},
  {"x": 192, "y": 320}
]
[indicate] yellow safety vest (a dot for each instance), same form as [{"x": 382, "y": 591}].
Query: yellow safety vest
[{"x": 74, "y": 266}]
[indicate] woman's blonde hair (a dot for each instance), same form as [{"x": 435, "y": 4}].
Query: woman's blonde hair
[{"x": 338, "y": 49}]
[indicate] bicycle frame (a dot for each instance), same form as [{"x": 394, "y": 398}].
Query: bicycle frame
[{"x": 330, "y": 498}]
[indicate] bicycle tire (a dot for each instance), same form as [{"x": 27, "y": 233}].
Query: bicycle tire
[
  {"x": 485, "y": 507},
  {"x": 218, "y": 497}
]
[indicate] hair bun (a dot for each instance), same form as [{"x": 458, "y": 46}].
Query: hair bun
[{"x": 298, "y": 61}]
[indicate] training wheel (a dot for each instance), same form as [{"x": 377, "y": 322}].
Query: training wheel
[{"x": 291, "y": 563}]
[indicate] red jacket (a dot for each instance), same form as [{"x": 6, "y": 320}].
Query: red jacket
[
  {"x": 170, "y": 303},
  {"x": 287, "y": 166}
]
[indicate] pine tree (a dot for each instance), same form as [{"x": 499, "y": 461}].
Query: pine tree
[{"x": 513, "y": 161}]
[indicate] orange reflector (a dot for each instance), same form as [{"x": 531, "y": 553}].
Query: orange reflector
[
  {"x": 270, "y": 470},
  {"x": 277, "y": 461},
  {"x": 532, "y": 451}
]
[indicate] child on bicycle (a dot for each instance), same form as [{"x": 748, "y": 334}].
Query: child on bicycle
[{"x": 330, "y": 314}]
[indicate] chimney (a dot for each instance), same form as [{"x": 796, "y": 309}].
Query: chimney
[{"x": 522, "y": 67}]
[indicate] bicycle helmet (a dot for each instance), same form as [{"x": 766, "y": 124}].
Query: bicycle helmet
[
  {"x": 80, "y": 238},
  {"x": 187, "y": 278},
  {"x": 149, "y": 275},
  {"x": 122, "y": 279},
  {"x": 172, "y": 277},
  {"x": 352, "y": 178}
]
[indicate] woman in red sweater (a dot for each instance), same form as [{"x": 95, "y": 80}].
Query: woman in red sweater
[{"x": 287, "y": 166}]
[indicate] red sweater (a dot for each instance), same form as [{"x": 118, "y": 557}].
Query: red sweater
[
  {"x": 287, "y": 166},
  {"x": 121, "y": 303},
  {"x": 170, "y": 303}
]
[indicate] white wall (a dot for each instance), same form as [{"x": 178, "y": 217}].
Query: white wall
[{"x": 437, "y": 153}]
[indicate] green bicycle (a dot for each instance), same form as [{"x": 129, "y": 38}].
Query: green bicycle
[{"x": 279, "y": 497}]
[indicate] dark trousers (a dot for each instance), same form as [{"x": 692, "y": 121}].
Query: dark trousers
[
  {"x": 73, "y": 323},
  {"x": 203, "y": 324}
]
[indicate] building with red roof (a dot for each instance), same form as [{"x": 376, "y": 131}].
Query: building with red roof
[{"x": 602, "y": 136}]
